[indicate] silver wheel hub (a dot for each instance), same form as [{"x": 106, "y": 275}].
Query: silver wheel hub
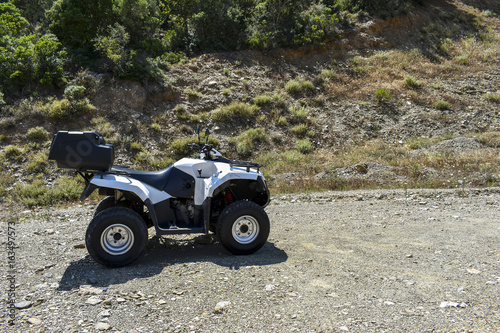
[
  {"x": 245, "y": 229},
  {"x": 117, "y": 239}
]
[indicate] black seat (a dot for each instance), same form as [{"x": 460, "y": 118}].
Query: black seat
[{"x": 157, "y": 179}]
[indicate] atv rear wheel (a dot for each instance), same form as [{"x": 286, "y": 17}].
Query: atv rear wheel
[
  {"x": 243, "y": 227},
  {"x": 116, "y": 237}
]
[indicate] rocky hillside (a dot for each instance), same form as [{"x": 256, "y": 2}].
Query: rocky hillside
[{"x": 383, "y": 90}]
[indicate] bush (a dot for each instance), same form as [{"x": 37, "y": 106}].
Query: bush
[
  {"x": 60, "y": 110},
  {"x": 383, "y": 94},
  {"x": 247, "y": 141},
  {"x": 73, "y": 92},
  {"x": 300, "y": 130},
  {"x": 37, "y": 134},
  {"x": 136, "y": 147},
  {"x": 12, "y": 152},
  {"x": 492, "y": 97},
  {"x": 38, "y": 193},
  {"x": 262, "y": 100},
  {"x": 304, "y": 146},
  {"x": 37, "y": 163},
  {"x": 299, "y": 113},
  {"x": 442, "y": 105},
  {"x": 294, "y": 87},
  {"x": 412, "y": 82},
  {"x": 235, "y": 110}
]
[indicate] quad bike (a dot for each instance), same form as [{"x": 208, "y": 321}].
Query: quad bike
[{"x": 194, "y": 195}]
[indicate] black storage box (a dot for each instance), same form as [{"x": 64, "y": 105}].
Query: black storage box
[{"x": 82, "y": 151}]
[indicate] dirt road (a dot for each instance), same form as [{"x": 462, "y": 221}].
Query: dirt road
[{"x": 371, "y": 261}]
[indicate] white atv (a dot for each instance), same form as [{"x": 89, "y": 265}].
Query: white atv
[{"x": 202, "y": 195}]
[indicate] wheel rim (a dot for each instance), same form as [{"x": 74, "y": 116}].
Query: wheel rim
[
  {"x": 117, "y": 239},
  {"x": 245, "y": 229}
]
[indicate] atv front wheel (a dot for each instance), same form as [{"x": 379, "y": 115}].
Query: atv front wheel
[
  {"x": 243, "y": 227},
  {"x": 116, "y": 237}
]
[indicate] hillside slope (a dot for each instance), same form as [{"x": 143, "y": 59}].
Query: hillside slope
[{"x": 379, "y": 97}]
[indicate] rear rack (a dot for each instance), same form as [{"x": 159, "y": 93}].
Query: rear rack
[{"x": 246, "y": 164}]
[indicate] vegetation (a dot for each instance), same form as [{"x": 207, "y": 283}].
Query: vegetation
[{"x": 307, "y": 117}]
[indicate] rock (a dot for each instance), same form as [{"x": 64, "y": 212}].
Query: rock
[
  {"x": 87, "y": 290},
  {"x": 473, "y": 271},
  {"x": 104, "y": 313},
  {"x": 120, "y": 300},
  {"x": 23, "y": 305},
  {"x": 94, "y": 300},
  {"x": 449, "y": 305},
  {"x": 100, "y": 326},
  {"x": 34, "y": 321},
  {"x": 221, "y": 307}
]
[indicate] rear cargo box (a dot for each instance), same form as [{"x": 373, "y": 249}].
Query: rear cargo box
[{"x": 82, "y": 151}]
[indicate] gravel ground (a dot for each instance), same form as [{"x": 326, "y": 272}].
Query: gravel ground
[{"x": 364, "y": 261}]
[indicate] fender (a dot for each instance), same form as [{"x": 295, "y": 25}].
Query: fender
[{"x": 122, "y": 183}]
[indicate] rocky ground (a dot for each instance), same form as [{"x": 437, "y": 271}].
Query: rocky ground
[{"x": 370, "y": 261}]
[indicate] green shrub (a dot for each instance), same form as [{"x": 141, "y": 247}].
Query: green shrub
[
  {"x": 282, "y": 121},
  {"x": 442, "y": 105},
  {"x": 178, "y": 148},
  {"x": 37, "y": 193},
  {"x": 64, "y": 109},
  {"x": 492, "y": 97},
  {"x": 262, "y": 100},
  {"x": 155, "y": 127},
  {"x": 136, "y": 147},
  {"x": 37, "y": 134},
  {"x": 294, "y": 87},
  {"x": 73, "y": 92},
  {"x": 235, "y": 110},
  {"x": 37, "y": 163},
  {"x": 304, "y": 146},
  {"x": 299, "y": 113},
  {"x": 383, "y": 94},
  {"x": 300, "y": 130},
  {"x": 193, "y": 93},
  {"x": 12, "y": 152},
  {"x": 412, "y": 82},
  {"x": 247, "y": 141}
]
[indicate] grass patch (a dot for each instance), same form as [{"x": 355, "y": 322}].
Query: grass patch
[
  {"x": 246, "y": 142},
  {"x": 136, "y": 147},
  {"x": 300, "y": 130},
  {"x": 37, "y": 193},
  {"x": 12, "y": 152},
  {"x": 382, "y": 95},
  {"x": 299, "y": 113},
  {"x": 37, "y": 134},
  {"x": 37, "y": 163},
  {"x": 412, "y": 82},
  {"x": 492, "y": 97},
  {"x": 178, "y": 148},
  {"x": 193, "y": 93},
  {"x": 235, "y": 110},
  {"x": 304, "y": 146},
  {"x": 294, "y": 87},
  {"x": 262, "y": 100}
]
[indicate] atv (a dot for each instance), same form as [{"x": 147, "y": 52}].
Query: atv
[{"x": 207, "y": 194}]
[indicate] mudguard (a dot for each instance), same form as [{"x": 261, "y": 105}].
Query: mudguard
[{"x": 125, "y": 184}]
